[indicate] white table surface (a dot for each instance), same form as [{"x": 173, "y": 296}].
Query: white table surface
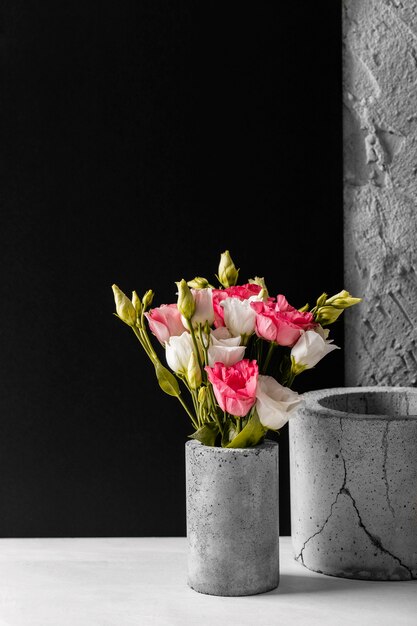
[{"x": 142, "y": 581}]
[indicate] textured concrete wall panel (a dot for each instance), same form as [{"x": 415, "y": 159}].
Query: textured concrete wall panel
[{"x": 380, "y": 190}]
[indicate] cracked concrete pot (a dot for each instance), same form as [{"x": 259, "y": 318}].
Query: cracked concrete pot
[
  {"x": 232, "y": 519},
  {"x": 353, "y": 464}
]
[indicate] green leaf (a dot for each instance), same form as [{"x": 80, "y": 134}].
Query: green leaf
[
  {"x": 252, "y": 434},
  {"x": 207, "y": 434},
  {"x": 166, "y": 380}
]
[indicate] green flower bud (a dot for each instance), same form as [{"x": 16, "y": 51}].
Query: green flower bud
[
  {"x": 199, "y": 283},
  {"x": 136, "y": 303},
  {"x": 185, "y": 303},
  {"x": 228, "y": 274},
  {"x": 202, "y": 395},
  {"x": 342, "y": 300},
  {"x": 124, "y": 307},
  {"x": 304, "y": 308},
  {"x": 147, "y": 298},
  {"x": 202, "y": 398},
  {"x": 193, "y": 372},
  {"x": 261, "y": 283},
  {"x": 322, "y": 300},
  {"x": 327, "y": 315},
  {"x": 166, "y": 380}
]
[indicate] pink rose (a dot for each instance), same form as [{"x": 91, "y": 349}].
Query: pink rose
[
  {"x": 283, "y": 305},
  {"x": 280, "y": 322},
  {"x": 242, "y": 292},
  {"x": 234, "y": 386},
  {"x": 165, "y": 322}
]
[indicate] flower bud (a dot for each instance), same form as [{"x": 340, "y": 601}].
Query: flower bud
[
  {"x": 186, "y": 303},
  {"x": 193, "y": 372},
  {"x": 263, "y": 294},
  {"x": 198, "y": 283},
  {"x": 166, "y": 380},
  {"x": 136, "y": 303},
  {"x": 322, "y": 300},
  {"x": 327, "y": 315},
  {"x": 202, "y": 398},
  {"x": 228, "y": 274},
  {"x": 124, "y": 307},
  {"x": 342, "y": 300},
  {"x": 147, "y": 298},
  {"x": 202, "y": 395}
]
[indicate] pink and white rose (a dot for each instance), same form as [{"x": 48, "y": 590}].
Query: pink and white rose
[
  {"x": 241, "y": 292},
  {"x": 204, "y": 311},
  {"x": 165, "y": 322}
]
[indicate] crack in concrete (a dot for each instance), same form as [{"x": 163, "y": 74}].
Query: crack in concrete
[
  {"x": 384, "y": 467},
  {"x": 300, "y": 556},
  {"x": 376, "y": 542},
  {"x": 345, "y": 490}
]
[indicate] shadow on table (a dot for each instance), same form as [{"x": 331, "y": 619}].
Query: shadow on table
[{"x": 294, "y": 583}]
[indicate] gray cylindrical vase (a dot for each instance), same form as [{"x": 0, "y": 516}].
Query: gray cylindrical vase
[
  {"x": 353, "y": 468},
  {"x": 232, "y": 519}
]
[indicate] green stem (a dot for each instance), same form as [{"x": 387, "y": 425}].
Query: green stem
[
  {"x": 145, "y": 336},
  {"x": 205, "y": 347},
  {"x": 144, "y": 340},
  {"x": 193, "y": 393},
  {"x": 219, "y": 422},
  {"x": 290, "y": 379},
  {"x": 238, "y": 424},
  {"x": 258, "y": 349},
  {"x": 271, "y": 349},
  {"x": 196, "y": 350},
  {"x": 196, "y": 426},
  {"x": 148, "y": 349}
]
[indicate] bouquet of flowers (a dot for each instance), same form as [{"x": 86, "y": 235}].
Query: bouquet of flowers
[{"x": 234, "y": 349}]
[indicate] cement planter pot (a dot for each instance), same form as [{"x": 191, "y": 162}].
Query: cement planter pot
[
  {"x": 232, "y": 519},
  {"x": 353, "y": 464}
]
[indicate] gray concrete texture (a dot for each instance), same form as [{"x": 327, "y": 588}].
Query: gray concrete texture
[
  {"x": 232, "y": 519},
  {"x": 380, "y": 190},
  {"x": 353, "y": 482}
]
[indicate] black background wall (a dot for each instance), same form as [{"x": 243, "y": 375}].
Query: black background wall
[{"x": 140, "y": 139}]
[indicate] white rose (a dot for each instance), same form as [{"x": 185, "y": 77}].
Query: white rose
[
  {"x": 227, "y": 351},
  {"x": 274, "y": 403},
  {"x": 311, "y": 347},
  {"x": 178, "y": 351},
  {"x": 239, "y": 317}
]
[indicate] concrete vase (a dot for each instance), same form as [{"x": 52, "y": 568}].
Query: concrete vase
[
  {"x": 353, "y": 468},
  {"x": 232, "y": 519}
]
